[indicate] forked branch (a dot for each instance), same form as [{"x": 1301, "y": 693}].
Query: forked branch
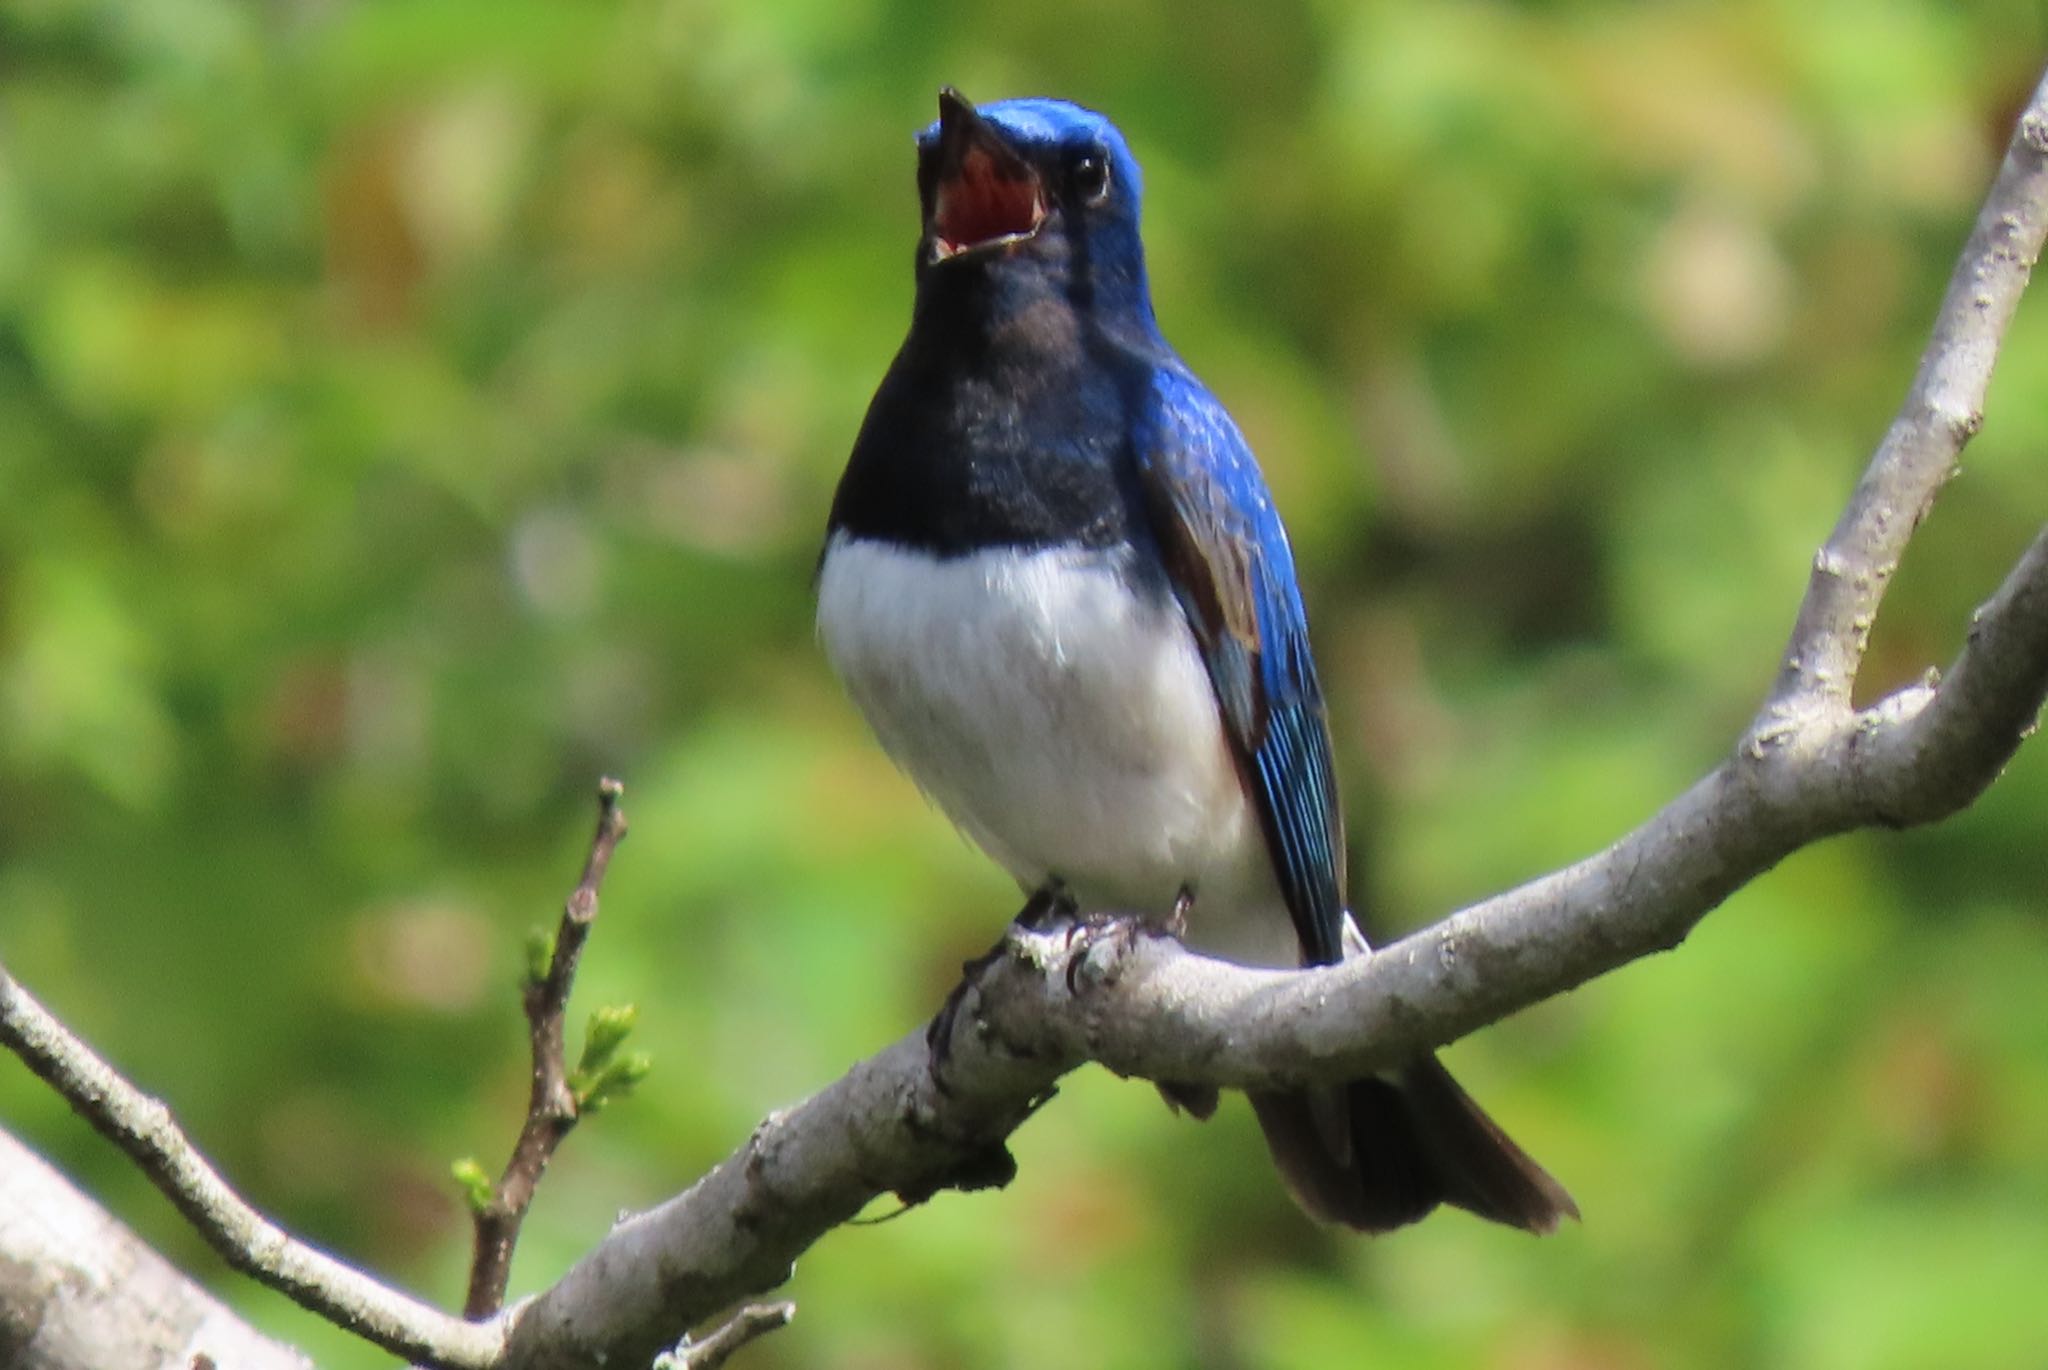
[{"x": 1811, "y": 764}]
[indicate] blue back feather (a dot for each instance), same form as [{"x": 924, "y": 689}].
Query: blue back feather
[{"x": 1226, "y": 553}]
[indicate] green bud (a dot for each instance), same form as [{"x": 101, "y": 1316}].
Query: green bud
[
  {"x": 615, "y": 1081},
  {"x": 540, "y": 954},
  {"x": 609, "y": 1028},
  {"x": 476, "y": 1186}
]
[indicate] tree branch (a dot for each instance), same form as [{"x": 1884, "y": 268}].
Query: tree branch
[
  {"x": 716, "y": 1348},
  {"x": 552, "y": 1108},
  {"x": 250, "y": 1242},
  {"x": 1951, "y": 739},
  {"x": 145, "y": 1129},
  {"x": 1943, "y": 410},
  {"x": 1810, "y": 765},
  {"x": 78, "y": 1291}
]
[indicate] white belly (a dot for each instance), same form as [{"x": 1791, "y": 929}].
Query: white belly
[{"x": 1064, "y": 723}]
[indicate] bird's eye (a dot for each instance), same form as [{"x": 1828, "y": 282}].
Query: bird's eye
[{"x": 1091, "y": 178}]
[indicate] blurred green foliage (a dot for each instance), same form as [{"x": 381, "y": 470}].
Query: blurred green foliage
[{"x": 410, "y": 409}]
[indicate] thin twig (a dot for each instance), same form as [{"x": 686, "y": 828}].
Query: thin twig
[
  {"x": 143, "y": 1127},
  {"x": 1943, "y": 409},
  {"x": 551, "y": 1107},
  {"x": 715, "y": 1349},
  {"x": 1808, "y": 768}
]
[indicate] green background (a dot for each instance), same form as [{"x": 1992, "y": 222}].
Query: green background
[{"x": 411, "y": 409}]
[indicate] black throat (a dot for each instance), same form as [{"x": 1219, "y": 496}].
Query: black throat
[{"x": 1003, "y": 422}]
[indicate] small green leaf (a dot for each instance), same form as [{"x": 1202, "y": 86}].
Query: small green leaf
[
  {"x": 609, "y": 1028},
  {"x": 615, "y": 1081},
  {"x": 540, "y": 954},
  {"x": 476, "y": 1186}
]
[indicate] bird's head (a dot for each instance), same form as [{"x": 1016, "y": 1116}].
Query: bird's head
[{"x": 1036, "y": 189}]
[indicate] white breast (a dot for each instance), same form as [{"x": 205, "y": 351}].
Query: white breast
[{"x": 1065, "y": 723}]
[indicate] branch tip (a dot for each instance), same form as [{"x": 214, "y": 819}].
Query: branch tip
[
  {"x": 557, "y": 1097},
  {"x": 716, "y": 1348}
]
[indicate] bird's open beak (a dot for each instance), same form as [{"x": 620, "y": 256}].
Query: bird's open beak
[{"x": 985, "y": 194}]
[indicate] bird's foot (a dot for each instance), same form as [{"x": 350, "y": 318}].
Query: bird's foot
[
  {"x": 1048, "y": 904},
  {"x": 1097, "y": 944},
  {"x": 1117, "y": 933},
  {"x": 1197, "y": 1101}
]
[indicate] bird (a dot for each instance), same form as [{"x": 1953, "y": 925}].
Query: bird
[{"x": 1055, "y": 584}]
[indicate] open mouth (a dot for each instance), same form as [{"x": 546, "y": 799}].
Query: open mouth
[{"x": 986, "y": 194}]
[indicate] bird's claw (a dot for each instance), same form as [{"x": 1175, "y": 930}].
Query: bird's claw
[
  {"x": 1118, "y": 933},
  {"x": 1115, "y": 933}
]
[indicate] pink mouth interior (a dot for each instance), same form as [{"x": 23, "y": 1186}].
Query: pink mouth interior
[{"x": 983, "y": 202}]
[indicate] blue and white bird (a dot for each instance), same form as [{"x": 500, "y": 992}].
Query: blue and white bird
[{"x": 1055, "y": 584}]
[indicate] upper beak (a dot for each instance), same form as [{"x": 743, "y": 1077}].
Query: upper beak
[{"x": 984, "y": 193}]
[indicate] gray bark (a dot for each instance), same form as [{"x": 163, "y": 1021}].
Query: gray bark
[
  {"x": 1810, "y": 765},
  {"x": 79, "y": 1291}
]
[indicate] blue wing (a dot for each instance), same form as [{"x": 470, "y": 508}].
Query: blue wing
[{"x": 1227, "y": 556}]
